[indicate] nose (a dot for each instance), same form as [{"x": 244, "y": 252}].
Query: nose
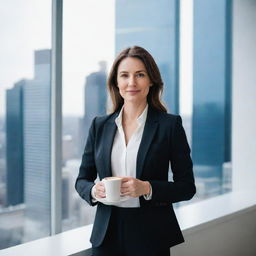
[{"x": 131, "y": 81}]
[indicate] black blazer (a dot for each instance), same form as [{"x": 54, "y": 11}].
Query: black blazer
[{"x": 163, "y": 142}]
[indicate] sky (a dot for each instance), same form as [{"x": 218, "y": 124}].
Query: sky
[
  {"x": 88, "y": 37},
  {"x": 18, "y": 21}
]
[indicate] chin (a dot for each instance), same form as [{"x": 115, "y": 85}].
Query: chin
[{"x": 133, "y": 100}]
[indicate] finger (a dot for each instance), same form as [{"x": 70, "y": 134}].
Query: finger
[
  {"x": 101, "y": 184},
  {"x": 125, "y": 179},
  {"x": 125, "y": 185},
  {"x": 128, "y": 190},
  {"x": 100, "y": 187},
  {"x": 100, "y": 195},
  {"x": 126, "y": 193},
  {"x": 127, "y": 182},
  {"x": 100, "y": 192}
]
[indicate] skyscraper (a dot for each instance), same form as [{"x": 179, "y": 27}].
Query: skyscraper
[
  {"x": 95, "y": 98},
  {"x": 157, "y": 30},
  {"x": 37, "y": 161},
  {"x": 14, "y": 145},
  {"x": 211, "y": 129}
]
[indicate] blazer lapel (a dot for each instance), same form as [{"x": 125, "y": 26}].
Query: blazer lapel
[
  {"x": 147, "y": 137},
  {"x": 108, "y": 139}
]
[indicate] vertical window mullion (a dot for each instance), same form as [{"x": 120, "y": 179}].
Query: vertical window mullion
[{"x": 56, "y": 116}]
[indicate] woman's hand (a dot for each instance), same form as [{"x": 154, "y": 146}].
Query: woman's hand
[
  {"x": 134, "y": 187},
  {"x": 100, "y": 190}
]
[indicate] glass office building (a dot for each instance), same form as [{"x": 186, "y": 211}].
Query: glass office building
[
  {"x": 157, "y": 30},
  {"x": 95, "y": 98},
  {"x": 14, "y": 145},
  {"x": 211, "y": 120},
  {"x": 37, "y": 151}
]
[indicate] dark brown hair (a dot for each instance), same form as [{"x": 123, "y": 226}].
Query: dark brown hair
[{"x": 155, "y": 91}]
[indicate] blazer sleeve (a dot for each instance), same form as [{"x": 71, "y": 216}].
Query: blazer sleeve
[
  {"x": 183, "y": 185},
  {"x": 87, "y": 171}
]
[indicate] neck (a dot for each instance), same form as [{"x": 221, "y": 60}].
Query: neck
[{"x": 132, "y": 111}]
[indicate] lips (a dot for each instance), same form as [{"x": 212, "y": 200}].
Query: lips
[{"x": 132, "y": 91}]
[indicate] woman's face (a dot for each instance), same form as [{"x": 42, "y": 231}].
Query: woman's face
[{"x": 133, "y": 80}]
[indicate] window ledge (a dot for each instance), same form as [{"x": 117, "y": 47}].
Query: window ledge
[
  {"x": 65, "y": 243},
  {"x": 218, "y": 209},
  {"x": 192, "y": 218}
]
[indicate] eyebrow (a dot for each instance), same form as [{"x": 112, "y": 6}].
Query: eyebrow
[{"x": 135, "y": 72}]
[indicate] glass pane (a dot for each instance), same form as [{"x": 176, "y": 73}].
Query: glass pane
[
  {"x": 88, "y": 51},
  {"x": 94, "y": 32},
  {"x": 211, "y": 120},
  {"x": 24, "y": 121},
  {"x": 205, "y": 92},
  {"x": 138, "y": 23}
]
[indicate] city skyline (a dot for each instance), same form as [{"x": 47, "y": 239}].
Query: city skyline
[
  {"x": 83, "y": 98},
  {"x": 79, "y": 61},
  {"x": 18, "y": 64}
]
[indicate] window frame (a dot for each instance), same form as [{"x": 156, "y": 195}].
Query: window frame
[{"x": 56, "y": 117}]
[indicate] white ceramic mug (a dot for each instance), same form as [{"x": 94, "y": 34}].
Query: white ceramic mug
[{"x": 112, "y": 188}]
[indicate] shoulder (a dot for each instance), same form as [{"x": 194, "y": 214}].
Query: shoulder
[
  {"x": 168, "y": 123},
  {"x": 99, "y": 121},
  {"x": 164, "y": 117}
]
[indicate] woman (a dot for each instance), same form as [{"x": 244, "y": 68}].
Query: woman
[{"x": 137, "y": 142}]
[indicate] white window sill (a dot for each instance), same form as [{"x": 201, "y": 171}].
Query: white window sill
[
  {"x": 198, "y": 215},
  {"x": 65, "y": 243},
  {"x": 191, "y": 218}
]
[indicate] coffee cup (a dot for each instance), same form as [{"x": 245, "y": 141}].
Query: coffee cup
[{"x": 112, "y": 188}]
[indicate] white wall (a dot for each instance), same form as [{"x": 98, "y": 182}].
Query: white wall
[{"x": 244, "y": 94}]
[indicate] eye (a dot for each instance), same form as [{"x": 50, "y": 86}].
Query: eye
[
  {"x": 123, "y": 75},
  {"x": 140, "y": 75}
]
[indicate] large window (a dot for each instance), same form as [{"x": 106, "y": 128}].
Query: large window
[
  {"x": 196, "y": 83},
  {"x": 24, "y": 121},
  {"x": 88, "y": 51},
  {"x": 211, "y": 115},
  {"x": 191, "y": 43}
]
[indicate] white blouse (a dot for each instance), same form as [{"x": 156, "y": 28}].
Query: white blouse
[{"x": 124, "y": 157}]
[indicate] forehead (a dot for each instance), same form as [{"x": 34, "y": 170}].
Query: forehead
[{"x": 131, "y": 64}]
